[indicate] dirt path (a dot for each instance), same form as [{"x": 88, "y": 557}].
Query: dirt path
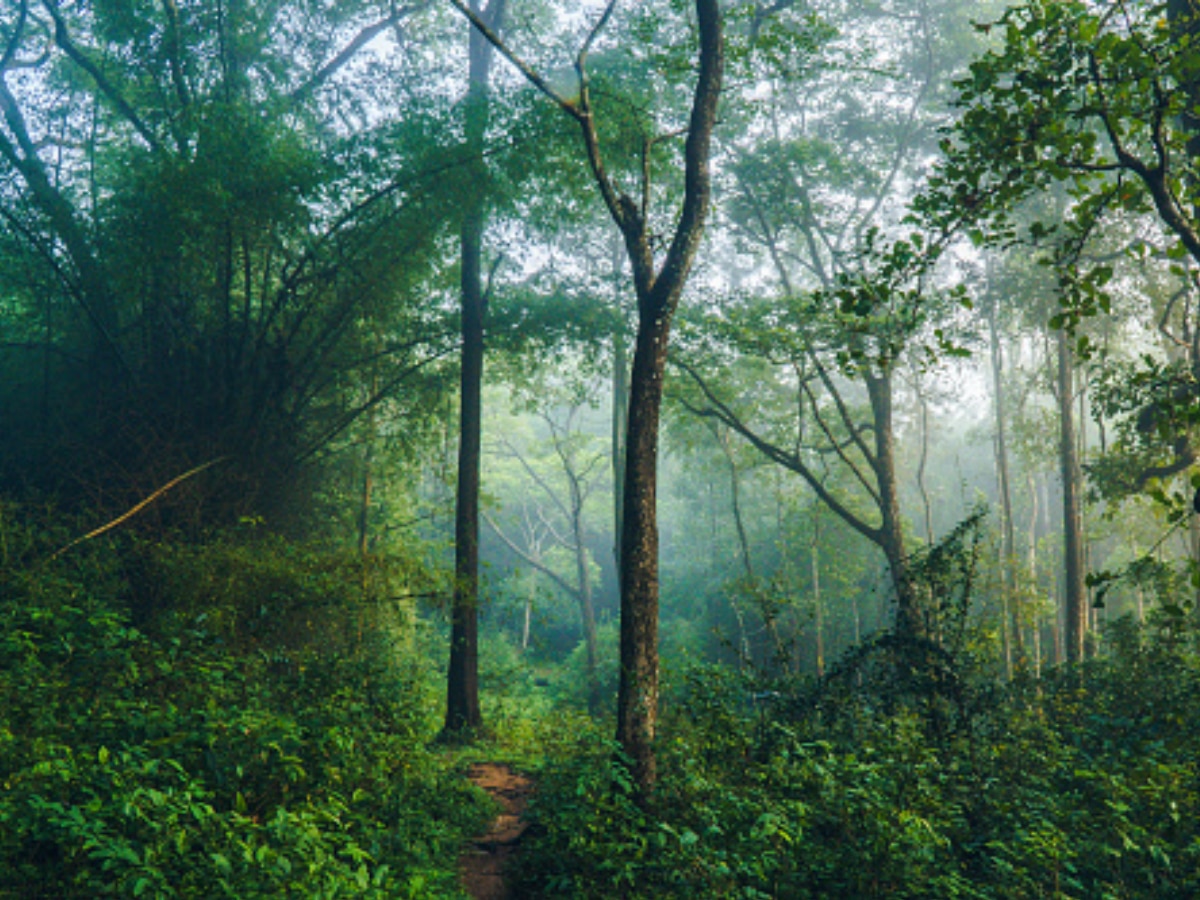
[{"x": 482, "y": 866}]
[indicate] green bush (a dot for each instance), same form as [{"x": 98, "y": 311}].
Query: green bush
[
  {"x": 1083, "y": 784},
  {"x": 182, "y": 760}
]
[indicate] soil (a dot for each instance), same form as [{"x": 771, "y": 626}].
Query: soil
[{"x": 481, "y": 867}]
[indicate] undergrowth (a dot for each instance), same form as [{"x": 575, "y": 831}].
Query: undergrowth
[
  {"x": 231, "y": 743},
  {"x": 1082, "y": 784}
]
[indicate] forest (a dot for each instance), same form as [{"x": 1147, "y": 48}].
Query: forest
[{"x": 772, "y": 427}]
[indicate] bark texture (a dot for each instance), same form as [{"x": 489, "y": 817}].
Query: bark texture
[{"x": 658, "y": 297}]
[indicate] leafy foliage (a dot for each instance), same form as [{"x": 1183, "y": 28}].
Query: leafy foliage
[
  {"x": 183, "y": 761},
  {"x": 1080, "y": 785}
]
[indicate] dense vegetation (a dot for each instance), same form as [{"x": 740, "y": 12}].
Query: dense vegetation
[
  {"x": 1080, "y": 784},
  {"x": 774, "y": 425},
  {"x": 230, "y": 744}
]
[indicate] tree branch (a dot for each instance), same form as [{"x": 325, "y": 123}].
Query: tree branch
[
  {"x": 347, "y": 53},
  {"x": 529, "y": 558},
  {"x": 63, "y": 39},
  {"x": 531, "y": 75},
  {"x": 790, "y": 461}
]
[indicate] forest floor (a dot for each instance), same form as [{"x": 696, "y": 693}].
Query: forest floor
[{"x": 482, "y": 866}]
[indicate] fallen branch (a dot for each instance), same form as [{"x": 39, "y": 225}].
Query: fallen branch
[{"x": 125, "y": 517}]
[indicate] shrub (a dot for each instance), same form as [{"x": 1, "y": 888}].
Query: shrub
[{"x": 184, "y": 760}]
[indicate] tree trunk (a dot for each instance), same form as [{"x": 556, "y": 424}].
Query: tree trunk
[
  {"x": 891, "y": 527},
  {"x": 1074, "y": 593},
  {"x": 528, "y": 617},
  {"x": 462, "y": 698},
  {"x": 818, "y": 618},
  {"x": 620, "y": 409},
  {"x": 587, "y": 609},
  {"x": 735, "y": 501},
  {"x": 658, "y": 297},
  {"x": 658, "y": 288},
  {"x": 1015, "y": 651},
  {"x": 368, "y": 479},
  {"x": 1035, "y": 511},
  {"x": 637, "y": 698},
  {"x": 463, "y": 714},
  {"x": 924, "y": 404}
]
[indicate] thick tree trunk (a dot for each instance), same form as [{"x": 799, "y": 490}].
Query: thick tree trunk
[
  {"x": 463, "y": 714},
  {"x": 658, "y": 288},
  {"x": 637, "y": 698},
  {"x": 658, "y": 296},
  {"x": 462, "y": 697},
  {"x": 1074, "y": 592}
]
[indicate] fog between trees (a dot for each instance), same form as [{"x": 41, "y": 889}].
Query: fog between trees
[{"x": 826, "y": 343}]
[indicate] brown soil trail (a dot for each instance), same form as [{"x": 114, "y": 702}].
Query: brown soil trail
[{"x": 482, "y": 865}]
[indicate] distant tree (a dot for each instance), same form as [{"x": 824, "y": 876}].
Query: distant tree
[
  {"x": 563, "y": 471},
  {"x": 817, "y": 205},
  {"x": 1100, "y": 100}
]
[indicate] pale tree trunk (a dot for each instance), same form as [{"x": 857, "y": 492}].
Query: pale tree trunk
[
  {"x": 818, "y": 616},
  {"x": 1034, "y": 507},
  {"x": 1032, "y": 567},
  {"x": 1074, "y": 592},
  {"x": 587, "y": 609},
  {"x": 527, "y": 622},
  {"x": 735, "y": 502},
  {"x": 1014, "y": 649},
  {"x": 924, "y": 404},
  {"x": 368, "y": 478}
]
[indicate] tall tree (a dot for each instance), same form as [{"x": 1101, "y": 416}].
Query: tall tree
[
  {"x": 814, "y": 200},
  {"x": 463, "y": 714},
  {"x": 1075, "y": 593},
  {"x": 658, "y": 283},
  {"x": 1099, "y": 99},
  {"x": 1014, "y": 646}
]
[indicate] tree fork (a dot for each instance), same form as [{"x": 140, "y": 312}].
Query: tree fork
[{"x": 658, "y": 293}]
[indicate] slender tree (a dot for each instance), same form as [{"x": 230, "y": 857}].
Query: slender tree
[
  {"x": 1014, "y": 645},
  {"x": 1074, "y": 591}
]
